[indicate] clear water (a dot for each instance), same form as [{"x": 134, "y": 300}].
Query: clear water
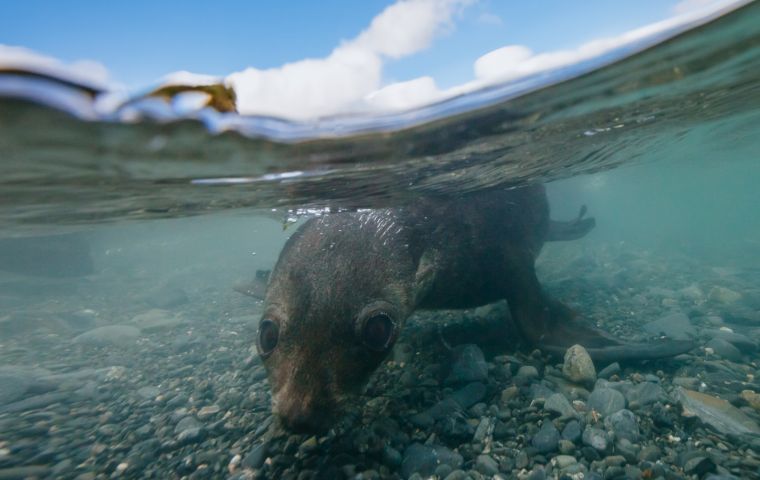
[{"x": 103, "y": 222}]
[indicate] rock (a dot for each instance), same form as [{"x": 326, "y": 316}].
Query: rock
[
  {"x": 699, "y": 466},
  {"x": 723, "y": 295},
  {"x": 563, "y": 461},
  {"x": 423, "y": 459},
  {"x": 623, "y": 424},
  {"x": 572, "y": 431},
  {"x": 650, "y": 453},
  {"x": 595, "y": 438},
  {"x": 191, "y": 435},
  {"x": 486, "y": 465},
  {"x": 469, "y": 365},
  {"x": 752, "y": 398},
  {"x": 725, "y": 349},
  {"x": 606, "y": 400},
  {"x": 578, "y": 366},
  {"x": 111, "y": 335},
  {"x": 13, "y": 386},
  {"x": 186, "y": 423},
  {"x": 676, "y": 326},
  {"x": 149, "y": 393},
  {"x": 469, "y": 395},
  {"x": 155, "y": 320},
  {"x": 546, "y": 439},
  {"x": 609, "y": 370},
  {"x": 255, "y": 458},
  {"x": 716, "y": 412},
  {"x": 557, "y": 403},
  {"x": 391, "y": 457},
  {"x": 167, "y": 297},
  {"x": 643, "y": 394},
  {"x": 208, "y": 411},
  {"x": 742, "y": 342},
  {"x": 525, "y": 375}
]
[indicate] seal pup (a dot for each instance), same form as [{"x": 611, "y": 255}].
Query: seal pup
[{"x": 345, "y": 283}]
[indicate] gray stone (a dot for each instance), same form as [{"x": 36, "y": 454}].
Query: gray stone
[
  {"x": 578, "y": 366},
  {"x": 725, "y": 349},
  {"x": 572, "y": 431},
  {"x": 699, "y": 466},
  {"x": 167, "y": 297},
  {"x": 595, "y": 438},
  {"x": 623, "y": 424},
  {"x": 717, "y": 413},
  {"x": 486, "y": 465},
  {"x": 525, "y": 375},
  {"x": 111, "y": 335},
  {"x": 155, "y": 320},
  {"x": 255, "y": 458},
  {"x": 557, "y": 403},
  {"x": 609, "y": 370},
  {"x": 148, "y": 393},
  {"x": 13, "y": 387},
  {"x": 643, "y": 394},
  {"x": 676, "y": 326},
  {"x": 187, "y": 423},
  {"x": 469, "y": 365},
  {"x": 606, "y": 401},
  {"x": 742, "y": 342},
  {"x": 546, "y": 439},
  {"x": 423, "y": 459}
]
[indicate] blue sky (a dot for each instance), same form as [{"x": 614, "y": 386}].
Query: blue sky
[{"x": 141, "y": 41}]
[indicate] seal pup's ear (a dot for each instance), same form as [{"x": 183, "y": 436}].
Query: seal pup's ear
[{"x": 256, "y": 288}]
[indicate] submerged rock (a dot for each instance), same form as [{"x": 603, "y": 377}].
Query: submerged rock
[
  {"x": 724, "y": 295},
  {"x": 725, "y": 349},
  {"x": 606, "y": 400},
  {"x": 578, "y": 366},
  {"x": 676, "y": 326},
  {"x": 469, "y": 365},
  {"x": 716, "y": 412},
  {"x": 156, "y": 319},
  {"x": 423, "y": 459},
  {"x": 119, "y": 335}
]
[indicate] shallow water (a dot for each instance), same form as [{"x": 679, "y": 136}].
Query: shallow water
[{"x": 126, "y": 352}]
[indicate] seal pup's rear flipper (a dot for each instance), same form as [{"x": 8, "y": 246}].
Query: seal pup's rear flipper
[
  {"x": 572, "y": 230},
  {"x": 553, "y": 327}
]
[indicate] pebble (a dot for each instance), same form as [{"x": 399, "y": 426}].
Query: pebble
[
  {"x": 578, "y": 366},
  {"x": 525, "y": 375},
  {"x": 424, "y": 459},
  {"x": 675, "y": 325},
  {"x": 725, "y": 349},
  {"x": 255, "y": 458},
  {"x": 572, "y": 431},
  {"x": 469, "y": 365},
  {"x": 546, "y": 439},
  {"x": 643, "y": 394},
  {"x": 486, "y": 465},
  {"x": 148, "y": 393},
  {"x": 595, "y": 438},
  {"x": 623, "y": 424},
  {"x": 609, "y": 370},
  {"x": 606, "y": 401},
  {"x": 111, "y": 335},
  {"x": 557, "y": 403},
  {"x": 208, "y": 411}
]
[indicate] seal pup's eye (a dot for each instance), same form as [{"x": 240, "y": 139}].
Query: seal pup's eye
[
  {"x": 269, "y": 333},
  {"x": 378, "y": 331}
]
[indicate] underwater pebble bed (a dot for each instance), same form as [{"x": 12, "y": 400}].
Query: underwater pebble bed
[{"x": 171, "y": 387}]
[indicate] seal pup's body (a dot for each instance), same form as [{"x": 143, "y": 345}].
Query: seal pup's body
[{"x": 345, "y": 283}]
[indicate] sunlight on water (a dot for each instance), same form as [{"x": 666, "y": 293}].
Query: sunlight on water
[{"x": 128, "y": 351}]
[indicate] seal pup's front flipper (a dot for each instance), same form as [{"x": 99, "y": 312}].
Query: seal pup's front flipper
[
  {"x": 553, "y": 327},
  {"x": 572, "y": 230},
  {"x": 257, "y": 288}
]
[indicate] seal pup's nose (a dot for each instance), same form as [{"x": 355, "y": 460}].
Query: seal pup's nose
[{"x": 304, "y": 415}]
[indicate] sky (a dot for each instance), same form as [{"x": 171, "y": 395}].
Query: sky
[{"x": 305, "y": 59}]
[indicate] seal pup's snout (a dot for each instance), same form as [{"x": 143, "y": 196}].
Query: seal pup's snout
[{"x": 304, "y": 413}]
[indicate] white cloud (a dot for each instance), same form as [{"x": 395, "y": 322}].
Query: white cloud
[
  {"x": 86, "y": 72},
  {"x": 488, "y": 18},
  {"x": 512, "y": 62},
  {"x": 339, "y": 83}
]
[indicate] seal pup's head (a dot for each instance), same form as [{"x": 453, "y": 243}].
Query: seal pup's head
[{"x": 336, "y": 300}]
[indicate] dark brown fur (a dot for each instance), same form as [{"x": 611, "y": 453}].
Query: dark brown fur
[{"x": 338, "y": 269}]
